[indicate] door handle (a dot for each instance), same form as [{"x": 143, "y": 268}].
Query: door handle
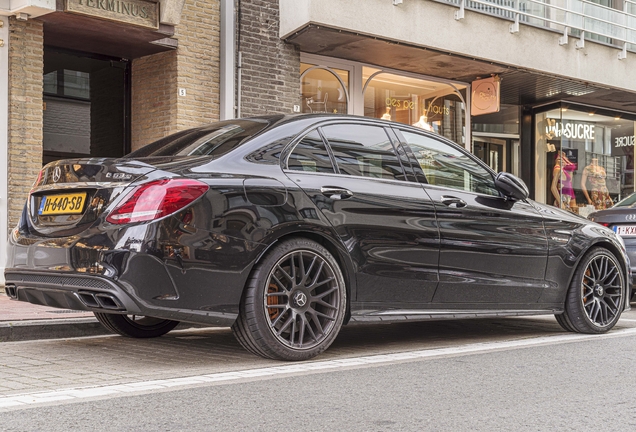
[
  {"x": 453, "y": 202},
  {"x": 336, "y": 193}
]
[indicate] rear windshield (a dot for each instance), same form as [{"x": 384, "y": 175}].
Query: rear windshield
[
  {"x": 628, "y": 201},
  {"x": 215, "y": 139}
]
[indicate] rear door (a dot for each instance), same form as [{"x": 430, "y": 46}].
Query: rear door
[
  {"x": 356, "y": 178},
  {"x": 492, "y": 250}
]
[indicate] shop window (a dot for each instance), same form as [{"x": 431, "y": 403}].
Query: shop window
[
  {"x": 585, "y": 160},
  {"x": 429, "y": 105},
  {"x": 323, "y": 89}
]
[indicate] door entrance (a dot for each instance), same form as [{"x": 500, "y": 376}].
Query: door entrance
[
  {"x": 501, "y": 154},
  {"x": 492, "y": 152},
  {"x": 86, "y": 105}
]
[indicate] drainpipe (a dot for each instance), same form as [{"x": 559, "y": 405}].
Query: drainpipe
[
  {"x": 238, "y": 84},
  {"x": 227, "y": 91},
  {"x": 4, "y": 142}
]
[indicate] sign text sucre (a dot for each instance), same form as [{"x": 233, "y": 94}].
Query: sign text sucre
[
  {"x": 137, "y": 12},
  {"x": 572, "y": 130}
]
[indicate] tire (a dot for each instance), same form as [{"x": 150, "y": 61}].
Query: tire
[
  {"x": 135, "y": 326},
  {"x": 294, "y": 303},
  {"x": 596, "y": 295}
]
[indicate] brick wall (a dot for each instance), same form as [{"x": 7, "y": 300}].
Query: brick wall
[
  {"x": 25, "y": 111},
  {"x": 157, "y": 110},
  {"x": 271, "y": 68},
  {"x": 154, "y": 98},
  {"x": 198, "y": 62}
]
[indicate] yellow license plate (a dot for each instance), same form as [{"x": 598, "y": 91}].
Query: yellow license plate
[{"x": 62, "y": 204}]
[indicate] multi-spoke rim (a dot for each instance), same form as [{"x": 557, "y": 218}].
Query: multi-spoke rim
[
  {"x": 602, "y": 289},
  {"x": 302, "y": 299}
]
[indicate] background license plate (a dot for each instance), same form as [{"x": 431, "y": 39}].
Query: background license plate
[
  {"x": 62, "y": 204},
  {"x": 625, "y": 230}
]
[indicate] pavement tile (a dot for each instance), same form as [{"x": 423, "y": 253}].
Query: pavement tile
[{"x": 12, "y": 310}]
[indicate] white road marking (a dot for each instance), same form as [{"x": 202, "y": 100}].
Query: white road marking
[{"x": 30, "y": 399}]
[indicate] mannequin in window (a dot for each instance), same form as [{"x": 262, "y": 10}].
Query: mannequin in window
[
  {"x": 597, "y": 195},
  {"x": 562, "y": 182},
  {"x": 423, "y": 123},
  {"x": 387, "y": 114}
]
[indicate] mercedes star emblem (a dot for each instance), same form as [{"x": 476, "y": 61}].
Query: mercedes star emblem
[
  {"x": 57, "y": 173},
  {"x": 300, "y": 299}
]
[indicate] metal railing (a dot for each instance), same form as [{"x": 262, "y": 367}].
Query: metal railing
[{"x": 584, "y": 19}]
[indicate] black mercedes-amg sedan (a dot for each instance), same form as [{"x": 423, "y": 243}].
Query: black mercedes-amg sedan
[{"x": 288, "y": 227}]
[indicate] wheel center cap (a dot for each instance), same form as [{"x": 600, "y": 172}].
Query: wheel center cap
[
  {"x": 598, "y": 289},
  {"x": 300, "y": 299}
]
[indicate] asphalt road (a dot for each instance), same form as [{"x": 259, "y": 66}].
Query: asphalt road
[{"x": 488, "y": 375}]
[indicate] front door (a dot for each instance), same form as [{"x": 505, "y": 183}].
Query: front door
[{"x": 492, "y": 250}]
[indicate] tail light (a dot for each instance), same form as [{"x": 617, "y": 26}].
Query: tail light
[
  {"x": 157, "y": 199},
  {"x": 37, "y": 181}
]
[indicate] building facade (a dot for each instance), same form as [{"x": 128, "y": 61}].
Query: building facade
[{"x": 99, "y": 78}]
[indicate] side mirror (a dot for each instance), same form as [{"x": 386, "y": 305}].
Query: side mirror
[{"x": 511, "y": 186}]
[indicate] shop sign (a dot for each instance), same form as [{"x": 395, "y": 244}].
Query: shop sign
[
  {"x": 623, "y": 140},
  {"x": 485, "y": 96},
  {"x": 571, "y": 130},
  {"x": 137, "y": 12}
]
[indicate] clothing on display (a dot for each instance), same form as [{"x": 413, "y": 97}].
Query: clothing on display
[
  {"x": 562, "y": 182},
  {"x": 423, "y": 123},
  {"x": 598, "y": 194}
]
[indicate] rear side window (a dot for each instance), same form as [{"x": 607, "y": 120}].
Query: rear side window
[
  {"x": 443, "y": 165},
  {"x": 363, "y": 150},
  {"x": 213, "y": 140},
  {"x": 310, "y": 155}
]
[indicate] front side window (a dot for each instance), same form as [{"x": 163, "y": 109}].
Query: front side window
[
  {"x": 310, "y": 155},
  {"x": 363, "y": 150},
  {"x": 443, "y": 165}
]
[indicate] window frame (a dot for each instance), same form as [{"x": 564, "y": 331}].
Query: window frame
[
  {"x": 296, "y": 141},
  {"x": 419, "y": 172},
  {"x": 399, "y": 151}
]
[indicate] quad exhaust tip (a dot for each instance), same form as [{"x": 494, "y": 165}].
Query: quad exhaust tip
[
  {"x": 99, "y": 300},
  {"x": 11, "y": 291}
]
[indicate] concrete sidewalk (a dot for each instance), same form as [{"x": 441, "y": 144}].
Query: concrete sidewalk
[{"x": 26, "y": 321}]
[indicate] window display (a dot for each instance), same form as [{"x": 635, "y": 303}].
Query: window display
[
  {"x": 434, "y": 106},
  {"x": 323, "y": 89},
  {"x": 584, "y": 159}
]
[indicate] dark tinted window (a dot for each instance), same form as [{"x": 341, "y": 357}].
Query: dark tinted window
[
  {"x": 311, "y": 155},
  {"x": 447, "y": 166},
  {"x": 363, "y": 150},
  {"x": 216, "y": 139}
]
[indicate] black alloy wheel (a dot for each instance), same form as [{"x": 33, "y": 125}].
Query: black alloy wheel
[
  {"x": 135, "y": 326},
  {"x": 596, "y": 295},
  {"x": 294, "y": 303}
]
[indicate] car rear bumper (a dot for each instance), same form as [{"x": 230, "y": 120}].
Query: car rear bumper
[
  {"x": 124, "y": 271},
  {"x": 69, "y": 291}
]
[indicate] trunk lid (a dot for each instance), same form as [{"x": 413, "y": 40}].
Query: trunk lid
[{"x": 70, "y": 195}]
